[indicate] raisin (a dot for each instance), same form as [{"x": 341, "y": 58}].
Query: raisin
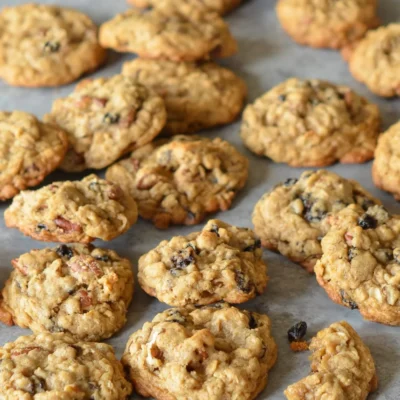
[
  {"x": 346, "y": 301},
  {"x": 254, "y": 246},
  {"x": 242, "y": 282},
  {"x": 181, "y": 261},
  {"x": 290, "y": 182},
  {"x": 282, "y": 97},
  {"x": 366, "y": 203},
  {"x": 176, "y": 316},
  {"x": 297, "y": 332},
  {"x": 367, "y": 222},
  {"x": 41, "y": 227},
  {"x": 215, "y": 229},
  {"x": 51, "y": 47},
  {"x": 104, "y": 258},
  {"x": 110, "y": 118},
  {"x": 252, "y": 322},
  {"x": 341, "y": 95},
  {"x": 351, "y": 253},
  {"x": 65, "y": 251}
]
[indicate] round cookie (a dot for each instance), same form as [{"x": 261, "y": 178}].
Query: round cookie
[
  {"x": 307, "y": 123},
  {"x": 55, "y": 366},
  {"x": 29, "y": 151},
  {"x": 77, "y": 211},
  {"x": 327, "y": 23},
  {"x": 360, "y": 264},
  {"x": 106, "y": 118},
  {"x": 197, "y": 96},
  {"x": 294, "y": 216},
  {"x": 222, "y": 262},
  {"x": 45, "y": 45},
  {"x": 374, "y": 61},
  {"x": 183, "y": 180},
  {"x": 342, "y": 367},
  {"x": 75, "y": 289},
  {"x": 184, "y": 35},
  {"x": 206, "y": 353}
]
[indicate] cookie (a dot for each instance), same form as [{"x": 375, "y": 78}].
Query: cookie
[
  {"x": 206, "y": 353},
  {"x": 29, "y": 151},
  {"x": 55, "y": 366},
  {"x": 294, "y": 216},
  {"x": 106, "y": 118},
  {"x": 184, "y": 35},
  {"x": 374, "y": 61},
  {"x": 197, "y": 96},
  {"x": 220, "y": 263},
  {"x": 77, "y": 211},
  {"x": 183, "y": 180},
  {"x": 45, "y": 45},
  {"x": 75, "y": 289},
  {"x": 342, "y": 367},
  {"x": 360, "y": 264},
  {"x": 307, "y": 123},
  {"x": 322, "y": 23}
]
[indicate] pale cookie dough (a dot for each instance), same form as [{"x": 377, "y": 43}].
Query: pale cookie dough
[
  {"x": 182, "y": 181},
  {"x": 197, "y": 95},
  {"x": 307, "y": 123},
  {"x": 75, "y": 289},
  {"x": 56, "y": 366},
  {"x": 46, "y": 45},
  {"x": 77, "y": 211},
  {"x": 294, "y": 216},
  {"x": 208, "y": 353},
  {"x": 222, "y": 262},
  {"x": 106, "y": 118},
  {"x": 29, "y": 151},
  {"x": 342, "y": 367}
]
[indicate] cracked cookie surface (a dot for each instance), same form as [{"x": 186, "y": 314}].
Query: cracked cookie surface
[
  {"x": 206, "y": 353},
  {"x": 73, "y": 211},
  {"x": 327, "y": 23},
  {"x": 183, "y": 180},
  {"x": 44, "y": 45},
  {"x": 197, "y": 96},
  {"x": 186, "y": 34},
  {"x": 76, "y": 289},
  {"x": 360, "y": 263},
  {"x": 55, "y": 366},
  {"x": 106, "y": 118},
  {"x": 222, "y": 262},
  {"x": 342, "y": 367},
  {"x": 29, "y": 151},
  {"x": 311, "y": 123},
  {"x": 294, "y": 216}
]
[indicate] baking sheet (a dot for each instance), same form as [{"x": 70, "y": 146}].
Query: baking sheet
[{"x": 266, "y": 57}]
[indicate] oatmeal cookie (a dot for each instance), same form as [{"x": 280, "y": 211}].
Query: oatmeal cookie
[
  {"x": 360, "y": 264},
  {"x": 308, "y": 123},
  {"x": 342, "y": 367},
  {"x": 181, "y": 181},
  {"x": 197, "y": 96},
  {"x": 222, "y": 262},
  {"x": 184, "y": 35},
  {"x": 374, "y": 61},
  {"x": 75, "y": 289},
  {"x": 106, "y": 118},
  {"x": 294, "y": 216},
  {"x": 29, "y": 151},
  {"x": 77, "y": 211},
  {"x": 46, "y": 45},
  {"x": 207, "y": 353},
  {"x": 56, "y": 366},
  {"x": 327, "y": 23}
]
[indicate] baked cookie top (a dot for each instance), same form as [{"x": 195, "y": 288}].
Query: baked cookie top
[
  {"x": 196, "y": 95},
  {"x": 45, "y": 45},
  {"x": 360, "y": 264},
  {"x": 222, "y": 262},
  {"x": 205, "y": 353},
  {"x": 185, "y": 35},
  {"x": 294, "y": 216},
  {"x": 341, "y": 364},
  {"x": 375, "y": 61},
  {"x": 55, "y": 366},
  {"x": 77, "y": 211},
  {"x": 29, "y": 151},
  {"x": 75, "y": 289},
  {"x": 105, "y": 118},
  {"x": 311, "y": 123},
  {"x": 181, "y": 181},
  {"x": 327, "y": 23}
]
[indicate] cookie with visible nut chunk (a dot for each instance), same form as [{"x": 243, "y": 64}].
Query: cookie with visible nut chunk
[{"x": 212, "y": 352}]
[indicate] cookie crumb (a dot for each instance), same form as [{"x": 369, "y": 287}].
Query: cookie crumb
[{"x": 298, "y": 346}]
